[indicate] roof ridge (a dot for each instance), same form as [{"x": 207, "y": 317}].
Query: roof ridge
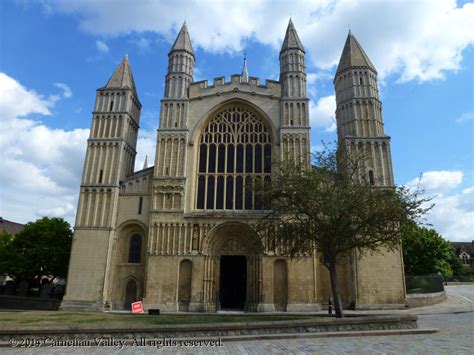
[
  {"x": 291, "y": 40},
  {"x": 122, "y": 77},
  {"x": 353, "y": 55}
]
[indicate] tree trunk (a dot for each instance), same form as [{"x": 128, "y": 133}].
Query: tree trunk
[{"x": 335, "y": 291}]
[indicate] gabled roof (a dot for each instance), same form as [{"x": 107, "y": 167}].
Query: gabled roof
[
  {"x": 291, "y": 41},
  {"x": 122, "y": 77},
  {"x": 183, "y": 41},
  {"x": 10, "y": 227},
  {"x": 463, "y": 246},
  {"x": 353, "y": 55}
]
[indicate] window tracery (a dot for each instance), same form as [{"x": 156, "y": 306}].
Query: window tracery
[{"x": 235, "y": 150}]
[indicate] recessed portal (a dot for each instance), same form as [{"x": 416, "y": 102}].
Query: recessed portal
[
  {"x": 130, "y": 294},
  {"x": 233, "y": 282}
]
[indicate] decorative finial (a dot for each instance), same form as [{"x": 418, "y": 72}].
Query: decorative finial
[{"x": 244, "y": 78}]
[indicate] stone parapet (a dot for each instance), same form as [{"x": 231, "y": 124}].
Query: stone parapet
[
  {"x": 319, "y": 325},
  {"x": 202, "y": 88}
]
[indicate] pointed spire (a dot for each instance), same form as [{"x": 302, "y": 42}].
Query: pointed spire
[
  {"x": 122, "y": 77},
  {"x": 244, "y": 78},
  {"x": 353, "y": 55},
  {"x": 183, "y": 41},
  {"x": 145, "y": 163},
  {"x": 291, "y": 41}
]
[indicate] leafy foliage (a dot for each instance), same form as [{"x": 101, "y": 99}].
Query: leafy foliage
[
  {"x": 41, "y": 248},
  {"x": 333, "y": 208},
  {"x": 425, "y": 252}
]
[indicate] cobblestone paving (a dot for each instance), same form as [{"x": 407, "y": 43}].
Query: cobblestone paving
[{"x": 456, "y": 336}]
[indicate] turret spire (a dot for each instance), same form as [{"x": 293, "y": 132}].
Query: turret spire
[
  {"x": 291, "y": 41},
  {"x": 353, "y": 55},
  {"x": 122, "y": 78},
  {"x": 183, "y": 41},
  {"x": 245, "y": 74},
  {"x": 145, "y": 164}
]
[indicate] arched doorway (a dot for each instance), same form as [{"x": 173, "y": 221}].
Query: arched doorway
[
  {"x": 232, "y": 268},
  {"x": 233, "y": 282},
  {"x": 131, "y": 292}
]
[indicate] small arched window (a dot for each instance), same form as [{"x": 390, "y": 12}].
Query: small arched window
[
  {"x": 135, "y": 248},
  {"x": 465, "y": 258}
]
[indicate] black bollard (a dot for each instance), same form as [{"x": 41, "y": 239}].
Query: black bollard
[{"x": 329, "y": 307}]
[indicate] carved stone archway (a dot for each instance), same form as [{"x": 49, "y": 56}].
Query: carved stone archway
[{"x": 237, "y": 239}]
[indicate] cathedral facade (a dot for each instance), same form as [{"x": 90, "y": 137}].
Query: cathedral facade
[{"x": 179, "y": 235}]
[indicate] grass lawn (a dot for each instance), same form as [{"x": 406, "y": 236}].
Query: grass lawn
[{"x": 54, "y": 319}]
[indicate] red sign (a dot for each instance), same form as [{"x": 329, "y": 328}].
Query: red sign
[{"x": 137, "y": 307}]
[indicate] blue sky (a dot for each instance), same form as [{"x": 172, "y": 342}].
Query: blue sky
[{"x": 54, "y": 54}]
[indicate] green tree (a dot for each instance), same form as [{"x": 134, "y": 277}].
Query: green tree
[
  {"x": 425, "y": 252},
  {"x": 332, "y": 208},
  {"x": 41, "y": 248}
]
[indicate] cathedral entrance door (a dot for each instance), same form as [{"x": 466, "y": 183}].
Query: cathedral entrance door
[
  {"x": 130, "y": 294},
  {"x": 233, "y": 282}
]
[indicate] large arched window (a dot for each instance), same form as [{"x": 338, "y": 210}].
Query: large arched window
[
  {"x": 135, "y": 248},
  {"x": 235, "y": 149}
]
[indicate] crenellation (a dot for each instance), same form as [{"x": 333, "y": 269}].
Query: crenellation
[{"x": 200, "y": 89}]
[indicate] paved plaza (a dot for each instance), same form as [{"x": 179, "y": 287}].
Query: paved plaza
[{"x": 454, "y": 318}]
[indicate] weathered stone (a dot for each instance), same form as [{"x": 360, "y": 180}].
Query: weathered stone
[{"x": 185, "y": 233}]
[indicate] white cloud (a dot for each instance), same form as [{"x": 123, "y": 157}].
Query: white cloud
[
  {"x": 453, "y": 213},
  {"x": 416, "y": 39},
  {"x": 146, "y": 147},
  {"x": 465, "y": 117},
  {"x": 102, "y": 46},
  {"x": 311, "y": 78},
  {"x": 40, "y": 167},
  {"x": 143, "y": 43},
  {"x": 438, "y": 181},
  {"x": 67, "y": 92},
  {"x": 322, "y": 113},
  {"x": 58, "y": 211},
  {"x": 16, "y": 101},
  {"x": 311, "y": 84}
]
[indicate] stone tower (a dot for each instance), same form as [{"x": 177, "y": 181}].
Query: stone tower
[
  {"x": 294, "y": 131},
  {"x": 360, "y": 127},
  {"x": 359, "y": 112},
  {"x": 110, "y": 157},
  {"x": 169, "y": 174}
]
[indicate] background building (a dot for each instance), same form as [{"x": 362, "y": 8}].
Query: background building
[
  {"x": 465, "y": 252},
  {"x": 10, "y": 227}
]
